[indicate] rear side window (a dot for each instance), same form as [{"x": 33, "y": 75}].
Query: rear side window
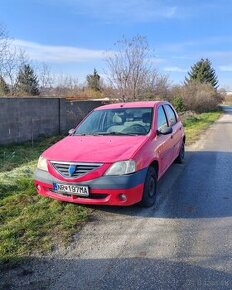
[
  {"x": 170, "y": 115},
  {"x": 162, "y": 120}
]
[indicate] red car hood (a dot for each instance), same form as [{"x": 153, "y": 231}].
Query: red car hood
[{"x": 106, "y": 149}]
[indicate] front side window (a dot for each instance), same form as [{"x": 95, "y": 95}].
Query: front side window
[
  {"x": 171, "y": 115},
  {"x": 120, "y": 121},
  {"x": 162, "y": 120}
]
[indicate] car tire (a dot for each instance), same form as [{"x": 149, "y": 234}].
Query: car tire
[
  {"x": 149, "y": 191},
  {"x": 180, "y": 157}
]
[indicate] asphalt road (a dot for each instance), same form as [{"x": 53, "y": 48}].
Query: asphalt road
[{"x": 184, "y": 242}]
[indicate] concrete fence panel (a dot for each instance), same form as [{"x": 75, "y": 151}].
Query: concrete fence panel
[{"x": 24, "y": 119}]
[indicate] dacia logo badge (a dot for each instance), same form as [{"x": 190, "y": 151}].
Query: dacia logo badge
[{"x": 71, "y": 169}]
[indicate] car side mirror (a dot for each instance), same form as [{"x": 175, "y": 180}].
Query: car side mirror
[
  {"x": 71, "y": 132},
  {"x": 165, "y": 131}
]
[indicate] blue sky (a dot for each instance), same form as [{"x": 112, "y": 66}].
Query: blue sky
[{"x": 72, "y": 35}]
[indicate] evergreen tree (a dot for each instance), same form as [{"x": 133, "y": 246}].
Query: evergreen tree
[
  {"x": 94, "y": 81},
  {"x": 4, "y": 88},
  {"x": 27, "y": 82},
  {"x": 203, "y": 72}
]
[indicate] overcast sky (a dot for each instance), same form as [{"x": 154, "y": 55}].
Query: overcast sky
[{"x": 72, "y": 35}]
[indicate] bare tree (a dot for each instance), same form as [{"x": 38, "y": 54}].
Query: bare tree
[
  {"x": 130, "y": 67},
  {"x": 66, "y": 86},
  {"x": 4, "y": 48},
  {"x": 45, "y": 78},
  {"x": 11, "y": 58},
  {"x": 15, "y": 58},
  {"x": 160, "y": 86},
  {"x": 4, "y": 45}
]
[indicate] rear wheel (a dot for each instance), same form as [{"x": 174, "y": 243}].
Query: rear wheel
[
  {"x": 149, "y": 191},
  {"x": 180, "y": 157}
]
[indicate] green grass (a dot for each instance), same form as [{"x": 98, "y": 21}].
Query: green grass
[
  {"x": 197, "y": 123},
  {"x": 13, "y": 156},
  {"x": 29, "y": 223}
]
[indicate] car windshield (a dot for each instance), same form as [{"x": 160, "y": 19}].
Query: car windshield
[{"x": 120, "y": 121}]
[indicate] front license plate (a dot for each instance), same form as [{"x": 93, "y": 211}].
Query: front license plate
[{"x": 71, "y": 189}]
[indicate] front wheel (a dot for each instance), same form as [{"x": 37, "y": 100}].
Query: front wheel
[{"x": 149, "y": 191}]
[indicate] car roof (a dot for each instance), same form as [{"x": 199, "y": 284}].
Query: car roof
[{"x": 144, "y": 104}]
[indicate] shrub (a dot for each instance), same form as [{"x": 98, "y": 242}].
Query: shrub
[
  {"x": 200, "y": 97},
  {"x": 228, "y": 99},
  {"x": 178, "y": 103}
]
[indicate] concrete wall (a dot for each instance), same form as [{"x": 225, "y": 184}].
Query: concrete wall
[
  {"x": 24, "y": 119},
  {"x": 76, "y": 111}
]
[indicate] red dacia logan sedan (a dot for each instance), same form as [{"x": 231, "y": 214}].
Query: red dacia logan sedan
[{"x": 115, "y": 156}]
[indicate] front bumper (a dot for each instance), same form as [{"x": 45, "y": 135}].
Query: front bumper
[{"x": 105, "y": 190}]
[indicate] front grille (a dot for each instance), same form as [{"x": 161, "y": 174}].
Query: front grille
[{"x": 78, "y": 169}]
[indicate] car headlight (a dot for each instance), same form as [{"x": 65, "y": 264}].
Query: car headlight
[
  {"x": 42, "y": 164},
  {"x": 121, "y": 168}
]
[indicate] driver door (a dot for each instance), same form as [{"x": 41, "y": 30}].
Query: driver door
[{"x": 165, "y": 144}]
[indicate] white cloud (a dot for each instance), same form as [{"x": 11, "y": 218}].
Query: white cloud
[
  {"x": 221, "y": 54},
  {"x": 59, "y": 54},
  {"x": 118, "y": 11},
  {"x": 226, "y": 68},
  {"x": 157, "y": 60},
  {"x": 183, "y": 57},
  {"x": 175, "y": 69}
]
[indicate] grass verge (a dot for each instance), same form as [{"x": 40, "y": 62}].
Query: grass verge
[
  {"x": 29, "y": 223},
  {"x": 196, "y": 123}
]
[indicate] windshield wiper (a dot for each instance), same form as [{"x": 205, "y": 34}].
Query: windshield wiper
[
  {"x": 114, "y": 133},
  {"x": 80, "y": 134},
  {"x": 107, "y": 134}
]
